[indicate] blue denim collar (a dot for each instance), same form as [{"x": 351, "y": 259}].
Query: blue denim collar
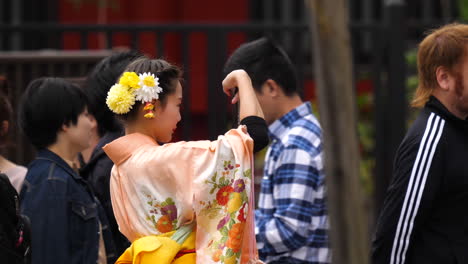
[{"x": 45, "y": 154}]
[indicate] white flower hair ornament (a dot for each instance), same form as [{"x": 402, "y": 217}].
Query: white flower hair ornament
[{"x": 132, "y": 87}]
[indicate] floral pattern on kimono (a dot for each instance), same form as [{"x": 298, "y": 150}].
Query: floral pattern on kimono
[{"x": 156, "y": 189}]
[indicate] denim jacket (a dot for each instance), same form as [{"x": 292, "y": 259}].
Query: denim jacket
[{"x": 64, "y": 214}]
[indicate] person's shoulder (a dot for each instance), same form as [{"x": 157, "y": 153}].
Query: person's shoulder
[
  {"x": 37, "y": 168},
  {"x": 157, "y": 155},
  {"x": 101, "y": 162},
  {"x": 424, "y": 132},
  {"x": 42, "y": 169},
  {"x": 21, "y": 169},
  {"x": 175, "y": 146},
  {"x": 98, "y": 167},
  {"x": 17, "y": 171},
  {"x": 306, "y": 124},
  {"x": 304, "y": 133},
  {"x": 6, "y": 187},
  {"x": 425, "y": 125},
  {"x": 45, "y": 178}
]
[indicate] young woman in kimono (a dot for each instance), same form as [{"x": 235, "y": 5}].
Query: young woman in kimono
[{"x": 184, "y": 202}]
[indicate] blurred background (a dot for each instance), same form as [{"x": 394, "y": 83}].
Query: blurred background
[{"x": 67, "y": 37}]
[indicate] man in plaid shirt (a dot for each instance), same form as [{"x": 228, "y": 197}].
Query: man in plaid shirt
[{"x": 292, "y": 221}]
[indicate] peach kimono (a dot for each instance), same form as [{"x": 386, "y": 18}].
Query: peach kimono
[{"x": 157, "y": 189}]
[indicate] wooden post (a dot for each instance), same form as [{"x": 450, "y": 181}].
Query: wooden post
[{"x": 337, "y": 104}]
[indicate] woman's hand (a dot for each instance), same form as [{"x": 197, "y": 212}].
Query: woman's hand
[
  {"x": 246, "y": 96},
  {"x": 235, "y": 79}
]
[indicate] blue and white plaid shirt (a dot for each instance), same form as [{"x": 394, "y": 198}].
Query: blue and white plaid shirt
[{"x": 292, "y": 220}]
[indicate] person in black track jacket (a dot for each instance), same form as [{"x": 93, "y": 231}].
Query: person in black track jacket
[{"x": 424, "y": 218}]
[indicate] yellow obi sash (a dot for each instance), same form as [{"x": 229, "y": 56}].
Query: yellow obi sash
[{"x": 162, "y": 249}]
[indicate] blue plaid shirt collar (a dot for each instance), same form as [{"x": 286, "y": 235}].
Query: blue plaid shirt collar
[{"x": 278, "y": 128}]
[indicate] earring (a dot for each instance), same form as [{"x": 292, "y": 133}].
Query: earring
[{"x": 149, "y": 107}]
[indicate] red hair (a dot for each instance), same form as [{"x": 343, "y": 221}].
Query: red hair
[{"x": 443, "y": 47}]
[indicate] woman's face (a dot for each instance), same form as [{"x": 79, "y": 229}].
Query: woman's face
[{"x": 166, "y": 117}]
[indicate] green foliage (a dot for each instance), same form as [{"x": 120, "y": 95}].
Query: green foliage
[
  {"x": 412, "y": 83},
  {"x": 366, "y": 135},
  {"x": 366, "y": 127},
  {"x": 411, "y": 57},
  {"x": 463, "y": 9},
  {"x": 411, "y": 80}
]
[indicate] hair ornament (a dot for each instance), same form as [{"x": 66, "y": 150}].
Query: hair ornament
[
  {"x": 149, "y": 107},
  {"x": 134, "y": 87}
]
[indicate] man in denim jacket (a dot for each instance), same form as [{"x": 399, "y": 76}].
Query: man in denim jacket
[{"x": 68, "y": 223}]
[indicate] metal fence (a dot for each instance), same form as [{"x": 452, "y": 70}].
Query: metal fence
[
  {"x": 218, "y": 115},
  {"x": 19, "y": 68},
  {"x": 379, "y": 43}
]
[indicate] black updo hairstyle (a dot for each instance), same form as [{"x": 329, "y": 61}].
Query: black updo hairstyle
[{"x": 167, "y": 74}]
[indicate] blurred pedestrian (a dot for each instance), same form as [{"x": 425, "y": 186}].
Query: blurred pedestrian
[
  {"x": 96, "y": 166},
  {"x": 424, "y": 217},
  {"x": 15, "y": 172},
  {"x": 68, "y": 223},
  {"x": 291, "y": 222},
  {"x": 15, "y": 229}
]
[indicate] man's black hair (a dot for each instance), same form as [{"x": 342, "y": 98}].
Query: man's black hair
[
  {"x": 263, "y": 59},
  {"x": 46, "y": 105},
  {"x": 98, "y": 83}
]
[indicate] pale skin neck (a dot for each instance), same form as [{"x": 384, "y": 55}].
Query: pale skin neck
[
  {"x": 5, "y": 164},
  {"x": 136, "y": 127},
  {"x": 286, "y": 104},
  {"x": 64, "y": 149},
  {"x": 449, "y": 103}
]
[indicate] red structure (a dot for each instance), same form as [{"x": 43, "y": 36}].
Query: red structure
[{"x": 164, "y": 12}]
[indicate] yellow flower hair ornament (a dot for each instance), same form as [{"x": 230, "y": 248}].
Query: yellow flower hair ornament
[
  {"x": 120, "y": 99},
  {"x": 133, "y": 87},
  {"x": 130, "y": 79}
]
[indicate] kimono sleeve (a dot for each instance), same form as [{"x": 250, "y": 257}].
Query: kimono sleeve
[{"x": 223, "y": 199}]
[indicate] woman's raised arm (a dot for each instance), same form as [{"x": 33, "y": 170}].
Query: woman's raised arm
[{"x": 249, "y": 105}]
